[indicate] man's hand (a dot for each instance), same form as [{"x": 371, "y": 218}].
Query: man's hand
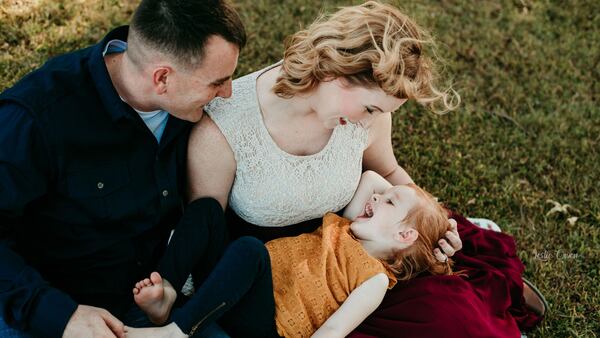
[
  {"x": 89, "y": 321},
  {"x": 449, "y": 249}
]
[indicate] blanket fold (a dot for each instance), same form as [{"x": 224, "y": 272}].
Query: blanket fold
[{"x": 487, "y": 302}]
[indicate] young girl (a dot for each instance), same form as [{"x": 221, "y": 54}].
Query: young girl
[{"x": 321, "y": 284}]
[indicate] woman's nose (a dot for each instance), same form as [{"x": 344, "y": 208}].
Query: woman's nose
[{"x": 375, "y": 197}]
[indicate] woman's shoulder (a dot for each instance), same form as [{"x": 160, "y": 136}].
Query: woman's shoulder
[
  {"x": 243, "y": 94},
  {"x": 228, "y": 114},
  {"x": 243, "y": 98},
  {"x": 207, "y": 138}
]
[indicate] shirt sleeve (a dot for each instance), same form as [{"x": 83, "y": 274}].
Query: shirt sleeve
[{"x": 27, "y": 301}]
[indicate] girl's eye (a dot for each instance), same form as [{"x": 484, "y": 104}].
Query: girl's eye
[{"x": 369, "y": 110}]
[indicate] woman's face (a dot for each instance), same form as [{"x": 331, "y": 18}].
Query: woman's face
[{"x": 336, "y": 102}]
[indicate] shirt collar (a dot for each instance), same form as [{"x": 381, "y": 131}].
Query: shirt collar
[
  {"x": 106, "y": 90},
  {"x": 109, "y": 96}
]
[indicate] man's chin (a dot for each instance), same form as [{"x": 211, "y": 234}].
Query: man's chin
[
  {"x": 200, "y": 112},
  {"x": 194, "y": 116}
]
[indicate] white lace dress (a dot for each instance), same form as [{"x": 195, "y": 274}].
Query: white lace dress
[{"x": 273, "y": 188}]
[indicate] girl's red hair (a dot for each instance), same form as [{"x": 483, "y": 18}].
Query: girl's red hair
[{"x": 430, "y": 220}]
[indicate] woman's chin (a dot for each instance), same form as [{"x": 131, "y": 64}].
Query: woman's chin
[{"x": 331, "y": 124}]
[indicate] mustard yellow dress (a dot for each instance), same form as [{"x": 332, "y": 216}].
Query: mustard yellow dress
[{"x": 314, "y": 273}]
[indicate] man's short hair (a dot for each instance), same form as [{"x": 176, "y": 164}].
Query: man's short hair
[{"x": 180, "y": 28}]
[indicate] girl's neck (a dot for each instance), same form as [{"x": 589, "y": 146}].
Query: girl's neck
[{"x": 375, "y": 249}]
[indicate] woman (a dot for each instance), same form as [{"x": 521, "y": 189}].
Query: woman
[
  {"x": 307, "y": 127},
  {"x": 291, "y": 143}
]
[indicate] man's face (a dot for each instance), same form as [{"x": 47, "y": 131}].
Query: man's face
[{"x": 188, "y": 91}]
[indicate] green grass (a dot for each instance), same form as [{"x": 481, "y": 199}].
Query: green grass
[{"x": 528, "y": 130}]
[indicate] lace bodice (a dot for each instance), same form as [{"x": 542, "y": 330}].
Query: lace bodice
[{"x": 275, "y": 188}]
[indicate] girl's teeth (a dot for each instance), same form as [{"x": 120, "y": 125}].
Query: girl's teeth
[{"x": 369, "y": 211}]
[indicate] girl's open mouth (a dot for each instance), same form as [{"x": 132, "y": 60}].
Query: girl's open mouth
[{"x": 368, "y": 212}]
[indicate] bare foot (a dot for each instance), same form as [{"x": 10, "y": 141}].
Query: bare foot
[
  {"x": 155, "y": 296},
  {"x": 170, "y": 331}
]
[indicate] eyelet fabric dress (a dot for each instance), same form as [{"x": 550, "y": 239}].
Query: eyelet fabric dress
[{"x": 273, "y": 188}]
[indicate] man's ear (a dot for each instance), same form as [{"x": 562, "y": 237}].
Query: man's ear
[
  {"x": 160, "y": 77},
  {"x": 407, "y": 237}
]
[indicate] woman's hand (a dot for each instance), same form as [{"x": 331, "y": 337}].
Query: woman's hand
[{"x": 449, "y": 249}]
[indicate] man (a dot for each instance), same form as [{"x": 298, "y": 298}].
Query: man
[{"x": 93, "y": 160}]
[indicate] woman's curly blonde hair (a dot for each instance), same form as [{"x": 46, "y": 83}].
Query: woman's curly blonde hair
[{"x": 370, "y": 45}]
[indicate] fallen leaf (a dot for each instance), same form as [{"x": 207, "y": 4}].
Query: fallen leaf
[{"x": 559, "y": 208}]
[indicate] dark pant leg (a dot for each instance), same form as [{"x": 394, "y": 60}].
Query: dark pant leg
[
  {"x": 242, "y": 275},
  {"x": 196, "y": 245},
  {"x": 255, "y": 313}
]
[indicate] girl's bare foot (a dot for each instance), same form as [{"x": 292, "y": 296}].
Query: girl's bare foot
[
  {"x": 169, "y": 331},
  {"x": 155, "y": 296}
]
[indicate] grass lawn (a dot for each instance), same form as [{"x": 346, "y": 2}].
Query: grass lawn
[{"x": 525, "y": 139}]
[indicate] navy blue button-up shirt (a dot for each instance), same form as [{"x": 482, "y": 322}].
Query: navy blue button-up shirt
[{"x": 87, "y": 195}]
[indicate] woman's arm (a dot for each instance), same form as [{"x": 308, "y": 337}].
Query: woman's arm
[
  {"x": 370, "y": 183},
  {"x": 379, "y": 155},
  {"x": 359, "y": 305},
  {"x": 211, "y": 164}
]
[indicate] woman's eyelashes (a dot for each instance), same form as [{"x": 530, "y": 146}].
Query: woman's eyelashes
[{"x": 369, "y": 110}]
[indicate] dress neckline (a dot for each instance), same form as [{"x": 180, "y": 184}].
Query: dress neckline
[{"x": 267, "y": 134}]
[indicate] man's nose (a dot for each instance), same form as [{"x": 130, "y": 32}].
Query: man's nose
[{"x": 225, "y": 90}]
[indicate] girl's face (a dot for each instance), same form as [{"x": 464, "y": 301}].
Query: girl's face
[
  {"x": 336, "y": 102},
  {"x": 382, "y": 218}
]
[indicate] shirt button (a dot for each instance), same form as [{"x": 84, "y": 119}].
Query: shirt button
[
  {"x": 100, "y": 185},
  {"x": 165, "y": 193}
]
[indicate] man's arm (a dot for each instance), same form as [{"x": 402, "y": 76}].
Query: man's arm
[
  {"x": 27, "y": 301},
  {"x": 370, "y": 183},
  {"x": 359, "y": 305}
]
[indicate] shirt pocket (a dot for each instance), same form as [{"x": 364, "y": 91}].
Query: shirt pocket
[{"x": 102, "y": 192}]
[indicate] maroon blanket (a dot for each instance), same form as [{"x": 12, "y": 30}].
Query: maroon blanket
[{"x": 487, "y": 302}]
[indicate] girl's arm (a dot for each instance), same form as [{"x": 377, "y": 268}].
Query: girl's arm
[
  {"x": 370, "y": 183},
  {"x": 359, "y": 305}
]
